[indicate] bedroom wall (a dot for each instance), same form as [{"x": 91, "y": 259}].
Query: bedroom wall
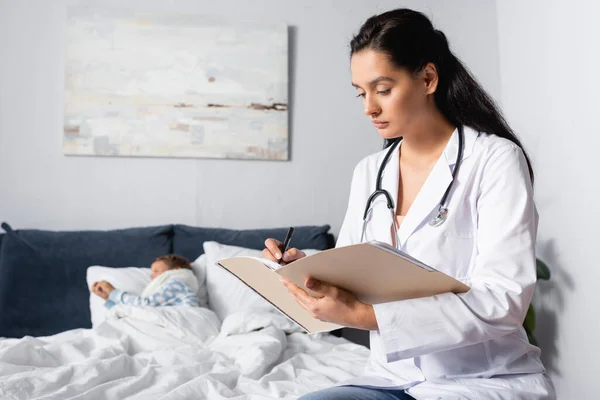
[
  {"x": 549, "y": 59},
  {"x": 42, "y": 188}
]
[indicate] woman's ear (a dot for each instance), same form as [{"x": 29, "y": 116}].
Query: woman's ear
[{"x": 430, "y": 77}]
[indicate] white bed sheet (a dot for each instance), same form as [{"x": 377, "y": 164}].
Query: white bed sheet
[{"x": 177, "y": 353}]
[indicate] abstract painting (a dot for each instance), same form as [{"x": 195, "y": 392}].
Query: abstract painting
[{"x": 162, "y": 85}]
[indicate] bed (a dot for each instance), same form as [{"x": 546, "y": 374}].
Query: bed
[{"x": 233, "y": 347}]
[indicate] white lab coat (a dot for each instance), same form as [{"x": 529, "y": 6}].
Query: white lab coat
[{"x": 471, "y": 345}]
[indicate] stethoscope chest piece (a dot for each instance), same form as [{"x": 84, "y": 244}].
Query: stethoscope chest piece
[{"x": 440, "y": 218}]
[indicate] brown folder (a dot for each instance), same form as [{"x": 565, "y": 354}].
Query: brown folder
[{"x": 374, "y": 272}]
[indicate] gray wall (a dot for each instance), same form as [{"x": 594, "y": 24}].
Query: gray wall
[
  {"x": 549, "y": 57},
  {"x": 42, "y": 188}
]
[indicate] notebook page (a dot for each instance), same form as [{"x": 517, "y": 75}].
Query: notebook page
[
  {"x": 272, "y": 265},
  {"x": 393, "y": 250}
]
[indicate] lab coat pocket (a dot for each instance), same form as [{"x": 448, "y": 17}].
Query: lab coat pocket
[
  {"x": 462, "y": 362},
  {"x": 459, "y": 225},
  {"x": 458, "y": 243},
  {"x": 453, "y": 256}
]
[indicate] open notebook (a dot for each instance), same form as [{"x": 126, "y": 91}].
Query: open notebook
[{"x": 374, "y": 271}]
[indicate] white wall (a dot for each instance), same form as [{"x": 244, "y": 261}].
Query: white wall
[
  {"x": 549, "y": 58},
  {"x": 548, "y": 63},
  {"x": 41, "y": 188}
]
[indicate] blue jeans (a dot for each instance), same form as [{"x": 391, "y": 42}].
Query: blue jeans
[{"x": 356, "y": 393}]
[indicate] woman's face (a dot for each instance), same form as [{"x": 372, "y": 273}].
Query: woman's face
[{"x": 393, "y": 99}]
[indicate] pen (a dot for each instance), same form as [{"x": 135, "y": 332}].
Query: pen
[{"x": 286, "y": 243}]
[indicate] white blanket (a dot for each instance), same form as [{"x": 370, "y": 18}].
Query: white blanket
[{"x": 177, "y": 353}]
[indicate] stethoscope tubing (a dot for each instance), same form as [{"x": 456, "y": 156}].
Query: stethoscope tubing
[{"x": 442, "y": 213}]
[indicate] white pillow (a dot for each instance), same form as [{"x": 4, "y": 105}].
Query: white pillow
[
  {"x": 199, "y": 268},
  {"x": 134, "y": 280},
  {"x": 226, "y": 293},
  {"x": 130, "y": 279}
]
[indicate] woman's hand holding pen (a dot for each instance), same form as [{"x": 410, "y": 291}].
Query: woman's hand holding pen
[
  {"x": 273, "y": 252},
  {"x": 334, "y": 304}
]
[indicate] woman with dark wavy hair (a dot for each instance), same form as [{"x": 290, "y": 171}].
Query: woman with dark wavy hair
[{"x": 460, "y": 199}]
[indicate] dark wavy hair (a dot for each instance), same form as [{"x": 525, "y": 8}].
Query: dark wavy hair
[{"x": 410, "y": 41}]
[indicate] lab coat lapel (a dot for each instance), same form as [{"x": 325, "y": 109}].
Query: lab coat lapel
[
  {"x": 429, "y": 196},
  {"x": 427, "y": 201}
]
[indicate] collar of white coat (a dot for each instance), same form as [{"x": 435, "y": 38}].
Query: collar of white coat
[
  {"x": 451, "y": 150},
  {"x": 434, "y": 187}
]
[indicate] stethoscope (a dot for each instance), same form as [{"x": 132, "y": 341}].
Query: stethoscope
[{"x": 442, "y": 212}]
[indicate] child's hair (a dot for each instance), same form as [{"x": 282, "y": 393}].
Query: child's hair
[{"x": 174, "y": 261}]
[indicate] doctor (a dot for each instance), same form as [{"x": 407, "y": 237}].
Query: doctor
[{"x": 460, "y": 200}]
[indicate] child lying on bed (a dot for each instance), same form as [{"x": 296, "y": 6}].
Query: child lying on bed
[{"x": 173, "y": 284}]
